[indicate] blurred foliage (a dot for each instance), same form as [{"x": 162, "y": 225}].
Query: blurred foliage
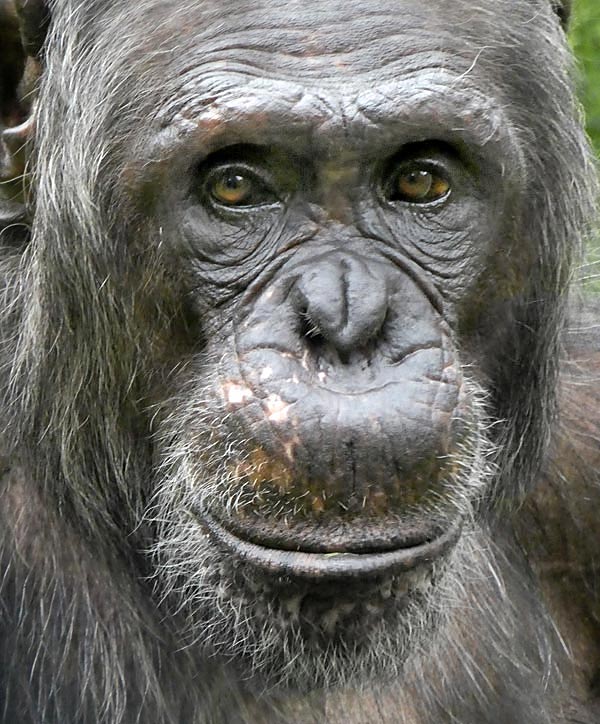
[{"x": 585, "y": 38}]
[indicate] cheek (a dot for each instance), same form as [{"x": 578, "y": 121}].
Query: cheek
[
  {"x": 217, "y": 245},
  {"x": 452, "y": 243},
  {"x": 462, "y": 236},
  {"x": 228, "y": 256}
]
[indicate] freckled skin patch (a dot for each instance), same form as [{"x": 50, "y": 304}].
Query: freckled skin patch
[
  {"x": 277, "y": 409},
  {"x": 236, "y": 393},
  {"x": 261, "y": 468},
  {"x": 266, "y": 374}
]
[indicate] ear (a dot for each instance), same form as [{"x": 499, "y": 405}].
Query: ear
[
  {"x": 23, "y": 28},
  {"x": 563, "y": 8}
]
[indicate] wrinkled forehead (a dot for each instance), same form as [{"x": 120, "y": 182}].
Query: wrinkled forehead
[
  {"x": 291, "y": 59},
  {"x": 331, "y": 41},
  {"x": 231, "y": 68}
]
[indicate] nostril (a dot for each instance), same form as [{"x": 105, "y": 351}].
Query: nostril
[
  {"x": 308, "y": 327},
  {"x": 320, "y": 350},
  {"x": 325, "y": 354}
]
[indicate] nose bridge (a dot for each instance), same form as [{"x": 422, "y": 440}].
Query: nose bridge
[
  {"x": 337, "y": 161},
  {"x": 344, "y": 299},
  {"x": 338, "y": 179}
]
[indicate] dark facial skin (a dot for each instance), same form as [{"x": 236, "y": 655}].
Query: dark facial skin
[
  {"x": 338, "y": 211},
  {"x": 333, "y": 196}
]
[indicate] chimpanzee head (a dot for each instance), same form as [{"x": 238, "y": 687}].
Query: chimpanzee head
[{"x": 291, "y": 304}]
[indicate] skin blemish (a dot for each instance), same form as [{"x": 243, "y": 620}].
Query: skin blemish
[
  {"x": 259, "y": 469},
  {"x": 304, "y": 361},
  {"x": 277, "y": 409},
  {"x": 212, "y": 119},
  {"x": 378, "y": 501},
  {"x": 241, "y": 471},
  {"x": 290, "y": 448},
  {"x": 266, "y": 374},
  {"x": 236, "y": 393}
]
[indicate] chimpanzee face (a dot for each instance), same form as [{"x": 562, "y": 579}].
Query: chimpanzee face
[{"x": 335, "y": 189}]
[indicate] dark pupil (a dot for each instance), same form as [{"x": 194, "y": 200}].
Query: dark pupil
[
  {"x": 417, "y": 178},
  {"x": 233, "y": 183}
]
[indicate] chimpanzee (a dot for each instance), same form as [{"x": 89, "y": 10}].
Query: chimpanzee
[{"x": 292, "y": 427}]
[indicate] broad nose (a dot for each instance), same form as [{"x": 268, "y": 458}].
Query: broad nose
[{"x": 342, "y": 300}]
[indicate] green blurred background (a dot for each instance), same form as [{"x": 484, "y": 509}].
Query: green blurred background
[{"x": 585, "y": 37}]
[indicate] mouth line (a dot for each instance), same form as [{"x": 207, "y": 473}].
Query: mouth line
[{"x": 330, "y": 566}]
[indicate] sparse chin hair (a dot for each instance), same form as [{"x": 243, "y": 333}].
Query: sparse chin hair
[
  {"x": 285, "y": 634},
  {"x": 281, "y": 634}
]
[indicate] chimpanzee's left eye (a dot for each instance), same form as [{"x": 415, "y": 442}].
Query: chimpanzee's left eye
[{"x": 418, "y": 184}]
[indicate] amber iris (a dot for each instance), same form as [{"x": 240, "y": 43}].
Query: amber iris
[
  {"x": 419, "y": 186},
  {"x": 232, "y": 189}
]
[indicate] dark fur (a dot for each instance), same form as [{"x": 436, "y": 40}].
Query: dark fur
[{"x": 92, "y": 327}]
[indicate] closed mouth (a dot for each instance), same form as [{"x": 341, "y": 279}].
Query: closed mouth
[{"x": 333, "y": 566}]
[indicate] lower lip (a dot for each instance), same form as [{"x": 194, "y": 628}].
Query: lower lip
[{"x": 331, "y": 566}]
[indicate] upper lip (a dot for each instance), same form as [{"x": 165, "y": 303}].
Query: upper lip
[{"x": 335, "y": 565}]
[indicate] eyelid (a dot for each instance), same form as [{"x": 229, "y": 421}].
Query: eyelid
[{"x": 422, "y": 164}]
